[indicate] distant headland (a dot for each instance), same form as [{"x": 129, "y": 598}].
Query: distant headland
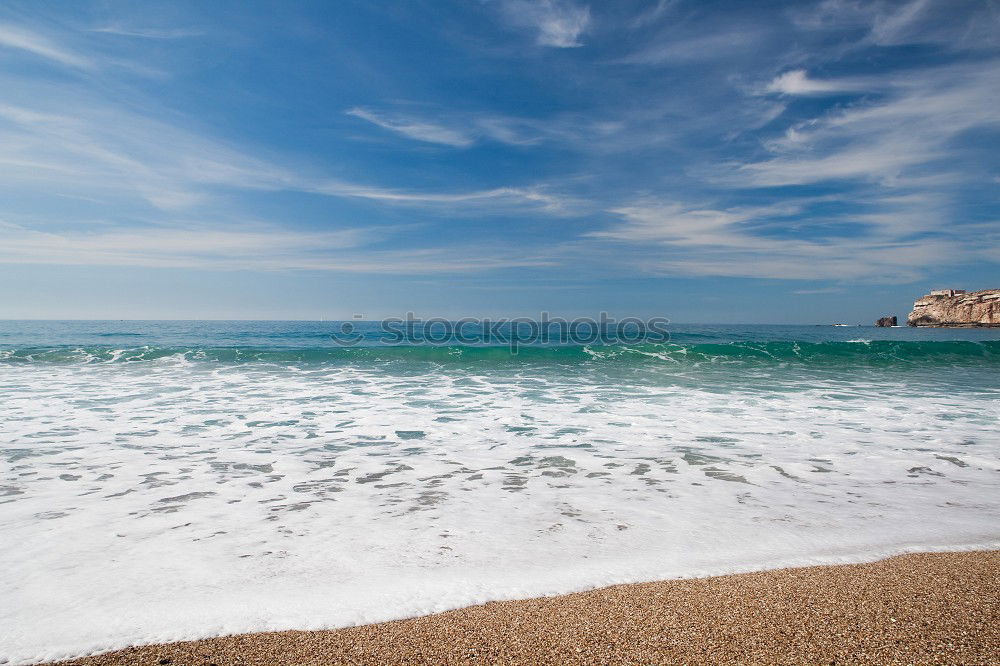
[{"x": 956, "y": 308}]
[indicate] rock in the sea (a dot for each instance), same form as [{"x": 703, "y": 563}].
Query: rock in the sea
[
  {"x": 886, "y": 322},
  {"x": 956, "y": 308}
]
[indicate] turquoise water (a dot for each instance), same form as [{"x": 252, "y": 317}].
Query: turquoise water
[
  {"x": 274, "y": 479},
  {"x": 317, "y": 335},
  {"x": 316, "y": 342}
]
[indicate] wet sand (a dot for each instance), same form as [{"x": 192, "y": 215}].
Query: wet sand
[{"x": 924, "y": 608}]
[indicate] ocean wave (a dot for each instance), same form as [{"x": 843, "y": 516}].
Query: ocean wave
[
  {"x": 853, "y": 353},
  {"x": 258, "y": 486}
]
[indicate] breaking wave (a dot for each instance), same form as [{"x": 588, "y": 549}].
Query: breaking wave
[{"x": 879, "y": 353}]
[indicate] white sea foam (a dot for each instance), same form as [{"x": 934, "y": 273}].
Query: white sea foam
[{"x": 175, "y": 500}]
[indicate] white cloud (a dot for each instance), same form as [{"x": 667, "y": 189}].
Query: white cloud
[
  {"x": 148, "y": 33},
  {"x": 415, "y": 129},
  {"x": 107, "y": 151},
  {"x": 672, "y": 223},
  {"x": 893, "y": 27},
  {"x": 13, "y": 37},
  {"x": 63, "y": 139},
  {"x": 953, "y": 24},
  {"x": 59, "y": 139},
  {"x": 167, "y": 241},
  {"x": 821, "y": 290},
  {"x": 103, "y": 149},
  {"x": 557, "y": 23},
  {"x": 498, "y": 199},
  {"x": 797, "y": 82},
  {"x": 257, "y": 248},
  {"x": 652, "y": 14},
  {"x": 462, "y": 130},
  {"x": 888, "y": 241},
  {"x": 165, "y": 246},
  {"x": 888, "y": 139},
  {"x": 678, "y": 48},
  {"x": 884, "y": 161}
]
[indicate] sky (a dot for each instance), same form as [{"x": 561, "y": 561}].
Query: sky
[{"x": 705, "y": 161}]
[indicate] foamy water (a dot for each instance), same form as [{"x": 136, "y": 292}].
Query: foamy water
[{"x": 179, "y": 496}]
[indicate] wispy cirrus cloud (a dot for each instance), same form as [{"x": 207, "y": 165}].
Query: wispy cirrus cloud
[
  {"x": 161, "y": 243},
  {"x": 148, "y": 33},
  {"x": 259, "y": 247},
  {"x": 60, "y": 138},
  {"x": 457, "y": 129},
  {"x": 467, "y": 129},
  {"x": 416, "y": 129},
  {"x": 788, "y": 240},
  {"x": 22, "y": 39},
  {"x": 556, "y": 23},
  {"x": 112, "y": 152},
  {"x": 154, "y": 171},
  {"x": 673, "y": 47},
  {"x": 955, "y": 25},
  {"x": 692, "y": 160},
  {"x": 652, "y": 14},
  {"x": 673, "y": 223},
  {"x": 910, "y": 125},
  {"x": 822, "y": 290},
  {"x": 104, "y": 150},
  {"x": 797, "y": 82},
  {"x": 499, "y": 199}
]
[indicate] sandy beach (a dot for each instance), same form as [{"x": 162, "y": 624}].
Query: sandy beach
[
  {"x": 499, "y": 332},
  {"x": 920, "y": 608}
]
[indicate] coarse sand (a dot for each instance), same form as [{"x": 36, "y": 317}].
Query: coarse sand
[{"x": 923, "y": 608}]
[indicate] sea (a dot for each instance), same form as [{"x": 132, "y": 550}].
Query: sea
[{"x": 175, "y": 480}]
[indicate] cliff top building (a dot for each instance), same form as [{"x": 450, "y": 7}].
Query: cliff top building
[{"x": 957, "y": 308}]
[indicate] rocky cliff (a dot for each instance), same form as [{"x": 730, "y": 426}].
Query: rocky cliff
[{"x": 957, "y": 309}]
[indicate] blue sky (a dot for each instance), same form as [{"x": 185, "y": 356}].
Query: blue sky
[{"x": 705, "y": 161}]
